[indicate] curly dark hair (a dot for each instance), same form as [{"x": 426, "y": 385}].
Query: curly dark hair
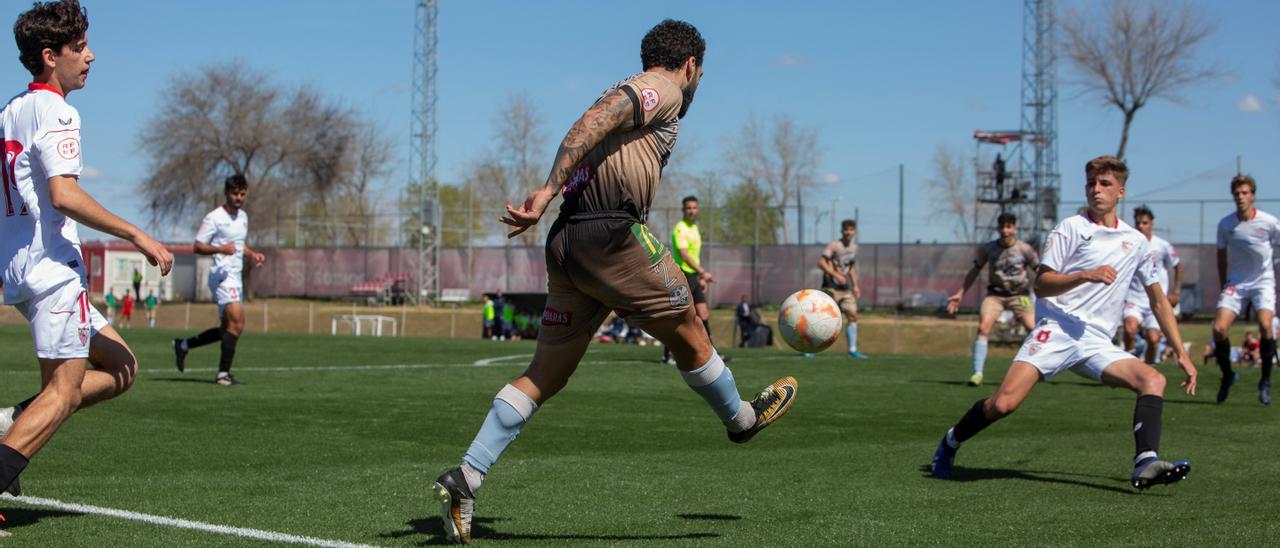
[
  {"x": 1143, "y": 210},
  {"x": 669, "y": 43},
  {"x": 235, "y": 182},
  {"x": 1007, "y": 219},
  {"x": 48, "y": 25}
]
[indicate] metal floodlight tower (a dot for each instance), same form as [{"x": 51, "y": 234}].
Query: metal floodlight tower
[
  {"x": 422, "y": 156},
  {"x": 1038, "y": 156}
]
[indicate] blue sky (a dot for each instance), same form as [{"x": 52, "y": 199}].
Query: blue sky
[{"x": 883, "y": 83}]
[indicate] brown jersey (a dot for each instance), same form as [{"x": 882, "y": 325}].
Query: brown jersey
[
  {"x": 621, "y": 173},
  {"x": 1009, "y": 268}
]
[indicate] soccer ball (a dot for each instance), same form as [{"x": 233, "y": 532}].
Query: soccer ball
[{"x": 810, "y": 320}]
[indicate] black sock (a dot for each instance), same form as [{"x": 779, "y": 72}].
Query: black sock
[
  {"x": 208, "y": 336},
  {"x": 1268, "y": 349},
  {"x": 228, "y": 351},
  {"x": 1146, "y": 424},
  {"x": 1222, "y": 352},
  {"x": 19, "y": 408},
  {"x": 971, "y": 423},
  {"x": 11, "y": 464}
]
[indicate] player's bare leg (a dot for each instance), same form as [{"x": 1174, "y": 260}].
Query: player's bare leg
[
  {"x": 1266, "y": 347},
  {"x": 1130, "y": 336},
  {"x": 1149, "y": 385},
  {"x": 1152, "y": 337},
  {"x": 1222, "y": 350},
  {"x": 113, "y": 371},
  {"x": 1013, "y": 390}
]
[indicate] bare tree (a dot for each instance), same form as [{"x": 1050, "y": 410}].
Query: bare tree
[
  {"x": 511, "y": 167},
  {"x": 1135, "y": 52},
  {"x": 952, "y": 191},
  {"x": 781, "y": 158},
  {"x": 299, "y": 151}
]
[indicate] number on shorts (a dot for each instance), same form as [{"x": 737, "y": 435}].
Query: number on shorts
[{"x": 1042, "y": 336}]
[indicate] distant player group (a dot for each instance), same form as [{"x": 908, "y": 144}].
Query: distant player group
[{"x": 1094, "y": 272}]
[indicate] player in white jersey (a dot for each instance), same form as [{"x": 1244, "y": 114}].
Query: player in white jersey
[
  {"x": 222, "y": 234},
  {"x": 1084, "y": 273},
  {"x": 83, "y": 361},
  {"x": 1137, "y": 307},
  {"x": 1245, "y": 239}
]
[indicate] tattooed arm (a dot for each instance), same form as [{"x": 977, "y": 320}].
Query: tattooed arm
[{"x": 611, "y": 112}]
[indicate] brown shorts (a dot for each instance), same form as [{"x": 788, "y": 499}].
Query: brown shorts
[
  {"x": 598, "y": 265},
  {"x": 1019, "y": 304},
  {"x": 844, "y": 298}
]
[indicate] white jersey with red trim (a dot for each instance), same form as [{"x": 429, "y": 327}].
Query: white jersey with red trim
[
  {"x": 220, "y": 228},
  {"x": 1078, "y": 244},
  {"x": 1162, "y": 255},
  {"x": 39, "y": 246},
  {"x": 1248, "y": 244}
]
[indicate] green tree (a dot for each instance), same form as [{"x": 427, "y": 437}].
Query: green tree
[{"x": 735, "y": 219}]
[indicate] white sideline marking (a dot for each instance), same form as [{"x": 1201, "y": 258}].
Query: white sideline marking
[
  {"x": 490, "y": 361},
  {"x": 181, "y": 523}
]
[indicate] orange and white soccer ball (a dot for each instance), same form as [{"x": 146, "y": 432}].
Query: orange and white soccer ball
[{"x": 810, "y": 320}]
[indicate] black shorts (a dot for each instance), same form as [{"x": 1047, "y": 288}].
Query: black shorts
[{"x": 695, "y": 288}]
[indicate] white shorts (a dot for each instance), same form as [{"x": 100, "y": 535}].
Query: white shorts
[
  {"x": 62, "y": 322},
  {"x": 1051, "y": 350},
  {"x": 1143, "y": 314},
  {"x": 1261, "y": 293},
  {"x": 225, "y": 288}
]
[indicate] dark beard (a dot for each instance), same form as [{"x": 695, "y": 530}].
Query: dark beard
[{"x": 687, "y": 99}]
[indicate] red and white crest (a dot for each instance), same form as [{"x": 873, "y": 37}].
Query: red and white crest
[
  {"x": 1035, "y": 347},
  {"x": 649, "y": 99},
  {"x": 69, "y": 148},
  {"x": 84, "y": 335},
  {"x": 1126, "y": 246}
]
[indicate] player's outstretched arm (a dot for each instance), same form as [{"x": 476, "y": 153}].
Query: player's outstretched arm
[
  {"x": 203, "y": 248},
  {"x": 257, "y": 258},
  {"x": 608, "y": 114},
  {"x": 67, "y": 197},
  {"x": 1051, "y": 283},
  {"x": 1163, "y": 312},
  {"x": 953, "y": 302}
]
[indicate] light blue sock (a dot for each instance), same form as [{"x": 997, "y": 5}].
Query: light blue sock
[
  {"x": 851, "y": 334},
  {"x": 714, "y": 382},
  {"x": 511, "y": 410},
  {"x": 979, "y": 354}
]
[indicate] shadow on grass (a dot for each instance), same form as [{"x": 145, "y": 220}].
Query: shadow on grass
[
  {"x": 481, "y": 528},
  {"x": 966, "y": 474},
  {"x": 21, "y": 517}
]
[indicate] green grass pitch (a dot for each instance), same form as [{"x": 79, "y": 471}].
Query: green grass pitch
[{"x": 314, "y": 446}]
